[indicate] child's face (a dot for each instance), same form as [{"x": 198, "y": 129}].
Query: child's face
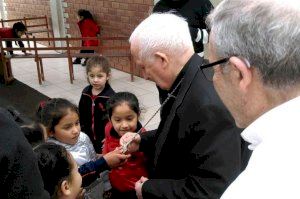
[
  {"x": 124, "y": 119},
  {"x": 68, "y": 129},
  {"x": 97, "y": 78},
  {"x": 75, "y": 180},
  {"x": 79, "y": 18},
  {"x": 20, "y": 33}
]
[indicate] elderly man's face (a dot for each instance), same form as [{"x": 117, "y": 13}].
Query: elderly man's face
[
  {"x": 151, "y": 69},
  {"x": 226, "y": 87}
]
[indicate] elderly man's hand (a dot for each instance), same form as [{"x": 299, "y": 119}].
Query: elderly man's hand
[
  {"x": 134, "y": 144},
  {"x": 115, "y": 158},
  {"x": 138, "y": 187}
]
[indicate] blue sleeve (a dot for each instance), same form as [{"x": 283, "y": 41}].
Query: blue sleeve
[{"x": 96, "y": 166}]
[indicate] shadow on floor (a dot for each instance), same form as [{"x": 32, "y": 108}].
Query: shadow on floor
[{"x": 21, "y": 97}]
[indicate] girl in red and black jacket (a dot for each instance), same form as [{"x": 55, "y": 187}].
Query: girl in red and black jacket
[
  {"x": 123, "y": 111},
  {"x": 93, "y": 99},
  {"x": 88, "y": 28}
]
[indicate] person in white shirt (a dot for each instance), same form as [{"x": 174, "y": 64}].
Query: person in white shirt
[{"x": 257, "y": 43}]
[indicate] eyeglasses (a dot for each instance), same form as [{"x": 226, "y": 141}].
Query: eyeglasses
[{"x": 208, "y": 71}]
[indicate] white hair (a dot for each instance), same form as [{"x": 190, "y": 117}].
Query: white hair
[
  {"x": 265, "y": 32},
  {"x": 165, "y": 32}
]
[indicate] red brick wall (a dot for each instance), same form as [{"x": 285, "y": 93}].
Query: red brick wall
[
  {"x": 27, "y": 8},
  {"x": 116, "y": 17}
]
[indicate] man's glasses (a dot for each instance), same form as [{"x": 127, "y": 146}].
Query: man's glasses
[{"x": 208, "y": 71}]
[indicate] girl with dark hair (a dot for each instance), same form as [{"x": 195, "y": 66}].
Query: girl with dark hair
[
  {"x": 88, "y": 28},
  {"x": 61, "y": 119},
  {"x": 16, "y": 31},
  {"x": 123, "y": 111},
  {"x": 59, "y": 171},
  {"x": 93, "y": 100}
]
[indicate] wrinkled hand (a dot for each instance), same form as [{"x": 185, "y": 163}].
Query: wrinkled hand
[
  {"x": 138, "y": 187},
  {"x": 134, "y": 145},
  {"x": 81, "y": 194},
  {"x": 115, "y": 158}
]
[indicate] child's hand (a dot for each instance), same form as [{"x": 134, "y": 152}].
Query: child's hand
[{"x": 115, "y": 158}]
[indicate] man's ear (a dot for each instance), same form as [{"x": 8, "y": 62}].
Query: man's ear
[
  {"x": 65, "y": 188},
  {"x": 244, "y": 72},
  {"x": 162, "y": 58}
]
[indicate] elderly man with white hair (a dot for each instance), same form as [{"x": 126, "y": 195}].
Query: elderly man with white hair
[
  {"x": 259, "y": 82},
  {"x": 196, "y": 152}
]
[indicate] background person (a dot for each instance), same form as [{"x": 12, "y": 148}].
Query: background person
[
  {"x": 17, "y": 31},
  {"x": 260, "y": 85},
  {"x": 88, "y": 28},
  {"x": 196, "y": 152},
  {"x": 195, "y": 12}
]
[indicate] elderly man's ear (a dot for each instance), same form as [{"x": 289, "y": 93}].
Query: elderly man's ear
[
  {"x": 243, "y": 73},
  {"x": 162, "y": 59}
]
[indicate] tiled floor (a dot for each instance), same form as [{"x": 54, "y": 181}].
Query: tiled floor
[{"x": 58, "y": 84}]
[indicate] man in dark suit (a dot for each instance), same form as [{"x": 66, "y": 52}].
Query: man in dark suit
[
  {"x": 195, "y": 12},
  {"x": 196, "y": 152}
]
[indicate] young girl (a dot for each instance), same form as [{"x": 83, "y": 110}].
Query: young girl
[
  {"x": 123, "y": 110},
  {"x": 93, "y": 100},
  {"x": 61, "y": 119},
  {"x": 88, "y": 28},
  {"x": 17, "y": 31},
  {"x": 59, "y": 171}
]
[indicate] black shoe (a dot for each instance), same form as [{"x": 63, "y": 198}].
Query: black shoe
[{"x": 77, "y": 61}]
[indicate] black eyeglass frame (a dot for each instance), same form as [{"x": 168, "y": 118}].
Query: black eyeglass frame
[
  {"x": 214, "y": 63},
  {"x": 221, "y": 61}
]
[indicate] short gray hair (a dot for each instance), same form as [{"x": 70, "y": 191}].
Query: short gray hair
[
  {"x": 265, "y": 32},
  {"x": 165, "y": 32}
]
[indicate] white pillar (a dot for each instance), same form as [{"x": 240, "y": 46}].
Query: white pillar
[
  {"x": 58, "y": 22},
  {"x": 3, "y": 13}
]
